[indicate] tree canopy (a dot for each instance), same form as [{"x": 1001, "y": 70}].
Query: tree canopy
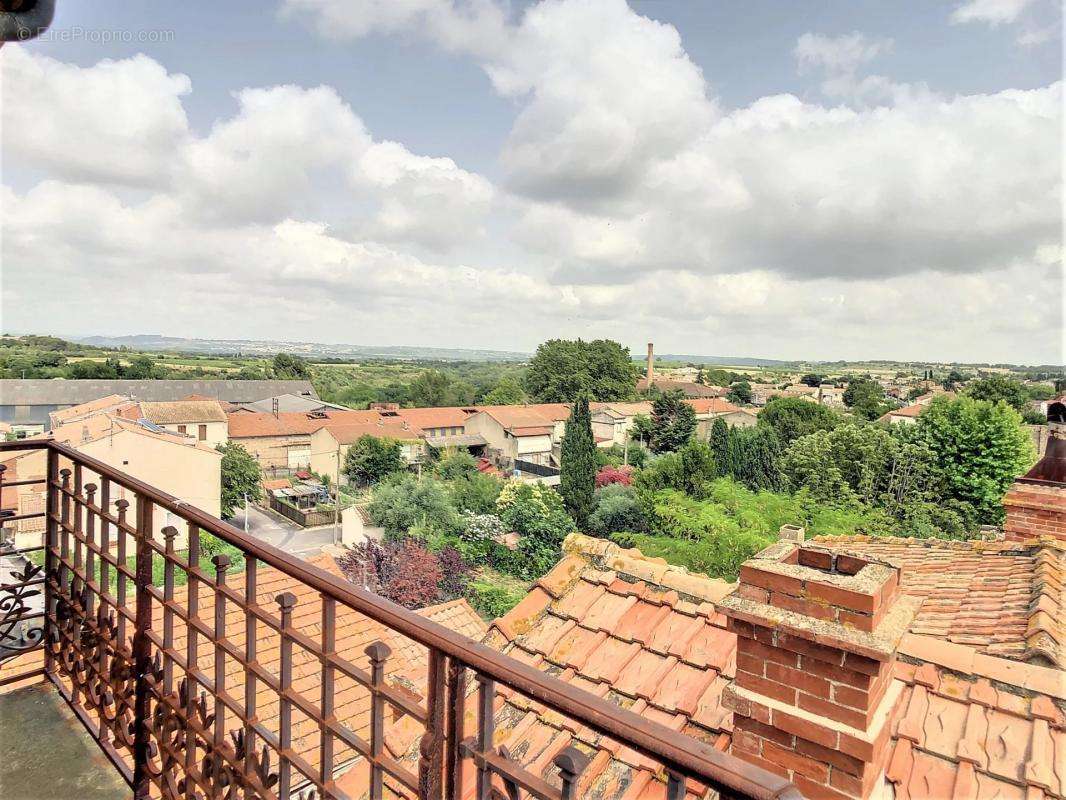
[
  {"x": 289, "y": 367},
  {"x": 577, "y": 477},
  {"x": 673, "y": 422},
  {"x": 739, "y": 392},
  {"x": 999, "y": 387},
  {"x": 240, "y": 476},
  {"x": 793, "y": 417},
  {"x": 562, "y": 368},
  {"x": 371, "y": 458},
  {"x": 506, "y": 392},
  {"x": 866, "y": 398}
]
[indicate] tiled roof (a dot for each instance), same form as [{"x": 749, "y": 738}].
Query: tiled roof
[
  {"x": 714, "y": 405},
  {"x": 243, "y": 424},
  {"x": 456, "y": 615},
  {"x": 62, "y": 392},
  {"x": 99, "y": 426},
  {"x": 109, "y": 403},
  {"x": 348, "y": 433},
  {"x": 690, "y": 388},
  {"x": 181, "y": 411},
  {"x": 1001, "y": 598},
  {"x": 957, "y": 736}
]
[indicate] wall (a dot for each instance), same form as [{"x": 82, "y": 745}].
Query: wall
[
  {"x": 492, "y": 431},
  {"x": 1035, "y": 510},
  {"x": 324, "y": 453},
  {"x": 217, "y": 432},
  {"x": 273, "y": 451}
]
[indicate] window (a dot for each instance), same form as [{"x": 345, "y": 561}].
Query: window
[
  {"x": 201, "y": 432},
  {"x": 181, "y": 429}
]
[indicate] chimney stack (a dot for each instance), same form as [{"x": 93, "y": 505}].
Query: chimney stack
[
  {"x": 1036, "y": 503},
  {"x": 814, "y": 694},
  {"x": 650, "y": 377}
]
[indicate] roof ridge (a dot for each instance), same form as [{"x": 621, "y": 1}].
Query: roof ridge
[
  {"x": 650, "y": 569},
  {"x": 956, "y": 544}
]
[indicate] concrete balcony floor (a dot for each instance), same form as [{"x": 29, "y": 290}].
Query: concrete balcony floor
[{"x": 45, "y": 753}]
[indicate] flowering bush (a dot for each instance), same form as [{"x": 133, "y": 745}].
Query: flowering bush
[
  {"x": 609, "y": 474},
  {"x": 406, "y": 572}
]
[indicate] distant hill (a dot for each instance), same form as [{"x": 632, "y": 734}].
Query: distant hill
[
  {"x": 724, "y": 361},
  {"x": 309, "y": 350}
]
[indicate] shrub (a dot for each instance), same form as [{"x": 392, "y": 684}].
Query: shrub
[
  {"x": 403, "y": 501},
  {"x": 476, "y": 493},
  {"x": 455, "y": 464},
  {"x": 615, "y": 509},
  {"x": 493, "y": 599},
  {"x": 405, "y": 572},
  {"x": 609, "y": 475},
  {"x": 372, "y": 458}
]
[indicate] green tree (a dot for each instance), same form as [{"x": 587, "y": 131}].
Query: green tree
[
  {"x": 403, "y": 501},
  {"x": 506, "y": 392},
  {"x": 999, "y": 387},
  {"x": 754, "y": 455},
  {"x": 979, "y": 448},
  {"x": 372, "y": 458},
  {"x": 289, "y": 367},
  {"x": 562, "y": 368},
  {"x": 535, "y": 512},
  {"x": 793, "y": 417},
  {"x": 673, "y": 422},
  {"x": 720, "y": 445},
  {"x": 866, "y": 398},
  {"x": 141, "y": 368},
  {"x": 432, "y": 388},
  {"x": 240, "y": 476},
  {"x": 812, "y": 379},
  {"x": 616, "y": 509},
  {"x": 739, "y": 392},
  {"x": 577, "y": 474}
]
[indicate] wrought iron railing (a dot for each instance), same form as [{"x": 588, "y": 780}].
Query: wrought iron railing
[{"x": 202, "y": 690}]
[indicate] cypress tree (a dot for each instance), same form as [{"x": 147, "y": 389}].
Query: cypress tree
[
  {"x": 577, "y": 479},
  {"x": 720, "y": 446}
]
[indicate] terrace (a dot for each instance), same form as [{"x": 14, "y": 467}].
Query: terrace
[{"x": 243, "y": 681}]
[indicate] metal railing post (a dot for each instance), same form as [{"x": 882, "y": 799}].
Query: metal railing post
[
  {"x": 51, "y": 542},
  {"x": 142, "y": 653},
  {"x": 431, "y": 747}
]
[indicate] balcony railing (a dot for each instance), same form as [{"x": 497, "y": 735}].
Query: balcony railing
[{"x": 202, "y": 690}]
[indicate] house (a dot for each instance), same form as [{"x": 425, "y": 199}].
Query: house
[
  {"x": 202, "y": 419},
  {"x": 290, "y": 402},
  {"x": 908, "y": 415},
  {"x": 612, "y": 422},
  {"x": 30, "y": 401},
  {"x": 330, "y": 443},
  {"x": 761, "y": 393},
  {"x": 830, "y": 395},
  {"x": 283, "y": 441},
  {"x": 517, "y": 433},
  {"x": 688, "y": 388},
  {"x": 707, "y": 411}
]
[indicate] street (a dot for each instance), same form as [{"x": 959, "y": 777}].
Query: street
[{"x": 280, "y": 532}]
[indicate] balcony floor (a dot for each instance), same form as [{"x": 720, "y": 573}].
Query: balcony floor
[{"x": 45, "y": 753}]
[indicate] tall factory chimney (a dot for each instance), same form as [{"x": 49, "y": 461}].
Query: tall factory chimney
[{"x": 651, "y": 364}]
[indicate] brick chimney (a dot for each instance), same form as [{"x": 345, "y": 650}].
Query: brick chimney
[
  {"x": 650, "y": 376},
  {"x": 813, "y": 698},
  {"x": 1036, "y": 503}
]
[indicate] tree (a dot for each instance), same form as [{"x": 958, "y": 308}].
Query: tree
[
  {"x": 405, "y": 572},
  {"x": 577, "y": 474},
  {"x": 866, "y": 398},
  {"x": 371, "y": 458},
  {"x": 141, "y": 368},
  {"x": 700, "y": 377},
  {"x": 535, "y": 512},
  {"x": 616, "y": 509},
  {"x": 754, "y": 454},
  {"x": 561, "y": 369},
  {"x": 793, "y": 417},
  {"x": 611, "y": 474},
  {"x": 673, "y": 422},
  {"x": 454, "y": 464},
  {"x": 739, "y": 392},
  {"x": 506, "y": 392},
  {"x": 719, "y": 444},
  {"x": 402, "y": 501},
  {"x": 432, "y": 388},
  {"x": 812, "y": 379},
  {"x": 999, "y": 387},
  {"x": 240, "y": 476},
  {"x": 290, "y": 367},
  {"x": 642, "y": 430},
  {"x": 979, "y": 448}
]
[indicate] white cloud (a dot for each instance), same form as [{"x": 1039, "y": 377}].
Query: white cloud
[
  {"x": 993, "y": 12},
  {"x": 116, "y": 122},
  {"x": 839, "y": 53}
]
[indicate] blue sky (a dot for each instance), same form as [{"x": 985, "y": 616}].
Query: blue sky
[{"x": 822, "y": 180}]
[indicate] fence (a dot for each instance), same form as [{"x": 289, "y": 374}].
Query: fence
[
  {"x": 307, "y": 519},
  {"x": 206, "y": 682}
]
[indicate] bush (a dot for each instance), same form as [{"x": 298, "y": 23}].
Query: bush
[
  {"x": 615, "y": 508},
  {"x": 479, "y": 536},
  {"x": 405, "y": 572},
  {"x": 793, "y": 417},
  {"x": 476, "y": 493},
  {"x": 493, "y": 599},
  {"x": 404, "y": 501},
  {"x": 455, "y": 464},
  {"x": 609, "y": 475},
  {"x": 372, "y": 458}
]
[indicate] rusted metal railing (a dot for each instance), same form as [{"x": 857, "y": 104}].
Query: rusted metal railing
[{"x": 194, "y": 687}]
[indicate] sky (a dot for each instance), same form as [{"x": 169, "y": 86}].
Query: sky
[{"x": 840, "y": 179}]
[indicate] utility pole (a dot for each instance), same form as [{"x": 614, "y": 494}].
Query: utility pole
[{"x": 337, "y": 496}]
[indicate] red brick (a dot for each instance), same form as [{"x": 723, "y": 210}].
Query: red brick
[
  {"x": 829, "y": 655},
  {"x": 841, "y": 780},
  {"x": 836, "y": 673},
  {"x": 778, "y": 691},
  {"x": 805, "y": 729},
  {"x": 740, "y": 628},
  {"x": 862, "y": 664},
  {"x": 803, "y": 681},
  {"x": 767, "y": 653},
  {"x": 817, "y": 791},
  {"x": 770, "y": 580},
  {"x": 750, "y": 663},
  {"x": 835, "y": 758},
  {"x": 807, "y": 608},
  {"x": 748, "y": 725},
  {"x": 835, "y": 595},
  {"x": 769, "y": 766},
  {"x": 848, "y": 696},
  {"x": 753, "y": 593},
  {"x": 746, "y": 742},
  {"x": 864, "y": 622},
  {"x": 817, "y": 559},
  {"x": 789, "y": 759},
  {"x": 850, "y": 565},
  {"x": 816, "y": 705}
]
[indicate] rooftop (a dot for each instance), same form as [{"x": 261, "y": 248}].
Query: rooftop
[{"x": 60, "y": 392}]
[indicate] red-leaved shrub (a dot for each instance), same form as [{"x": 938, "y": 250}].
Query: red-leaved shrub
[{"x": 609, "y": 474}]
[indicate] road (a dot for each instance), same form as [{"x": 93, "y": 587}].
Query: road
[{"x": 280, "y": 532}]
